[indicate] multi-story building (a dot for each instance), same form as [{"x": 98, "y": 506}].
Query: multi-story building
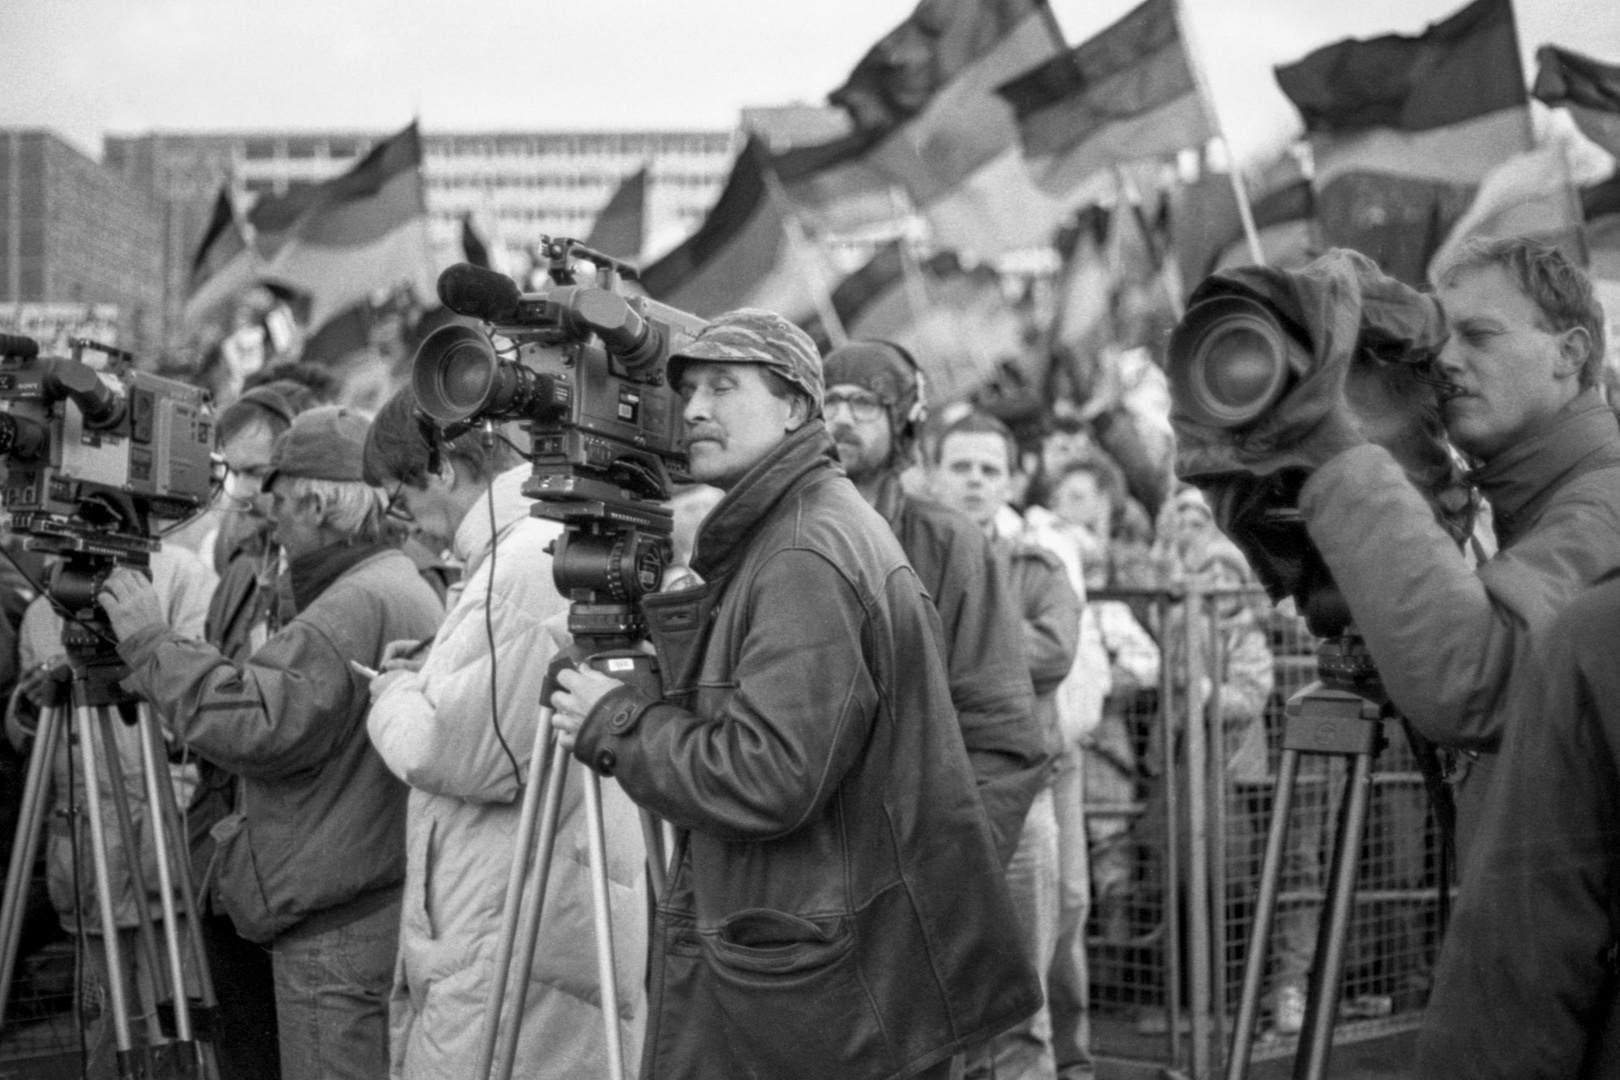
[
  {"x": 71, "y": 232},
  {"x": 515, "y": 186}
]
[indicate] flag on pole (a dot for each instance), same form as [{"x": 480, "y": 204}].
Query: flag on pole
[
  {"x": 1589, "y": 89},
  {"x": 1403, "y": 129},
  {"x": 361, "y": 233},
  {"x": 620, "y": 229},
  {"x": 927, "y": 120},
  {"x": 222, "y": 241},
  {"x": 1126, "y": 94},
  {"x": 269, "y": 222},
  {"x": 745, "y": 254}
]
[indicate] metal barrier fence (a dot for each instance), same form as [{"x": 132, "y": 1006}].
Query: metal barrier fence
[{"x": 1172, "y": 904}]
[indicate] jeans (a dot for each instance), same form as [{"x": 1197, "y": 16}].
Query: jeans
[
  {"x": 1068, "y": 991},
  {"x": 332, "y": 988},
  {"x": 1025, "y": 1051}
]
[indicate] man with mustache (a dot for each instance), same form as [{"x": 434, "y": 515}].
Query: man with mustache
[
  {"x": 836, "y": 907},
  {"x": 875, "y": 410}
]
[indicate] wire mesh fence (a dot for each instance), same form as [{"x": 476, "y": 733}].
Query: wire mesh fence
[{"x": 1166, "y": 972}]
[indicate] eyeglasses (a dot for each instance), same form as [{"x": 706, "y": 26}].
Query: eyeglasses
[
  {"x": 863, "y": 407},
  {"x": 395, "y": 510}
]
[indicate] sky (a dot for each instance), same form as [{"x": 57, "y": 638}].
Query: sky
[{"x": 87, "y": 68}]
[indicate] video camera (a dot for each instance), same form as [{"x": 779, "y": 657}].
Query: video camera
[
  {"x": 93, "y": 452},
  {"x": 581, "y": 364},
  {"x": 1265, "y": 355}
]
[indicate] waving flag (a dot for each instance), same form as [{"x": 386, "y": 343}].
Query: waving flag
[
  {"x": 1590, "y": 90},
  {"x": 361, "y": 233},
  {"x": 620, "y": 229},
  {"x": 1126, "y": 94},
  {"x": 928, "y": 123},
  {"x": 1403, "y": 129},
  {"x": 745, "y": 254}
]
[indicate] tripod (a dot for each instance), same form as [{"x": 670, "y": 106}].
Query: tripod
[
  {"x": 618, "y": 556},
  {"x": 1343, "y": 713},
  {"x": 84, "y": 699}
]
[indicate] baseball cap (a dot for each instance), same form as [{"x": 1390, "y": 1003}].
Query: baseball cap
[
  {"x": 325, "y": 443},
  {"x": 754, "y": 336}
]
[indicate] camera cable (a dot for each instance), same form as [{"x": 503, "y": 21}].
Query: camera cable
[{"x": 488, "y": 444}]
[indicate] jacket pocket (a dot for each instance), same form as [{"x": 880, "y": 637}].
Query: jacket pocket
[
  {"x": 790, "y": 993},
  {"x": 241, "y": 887}
]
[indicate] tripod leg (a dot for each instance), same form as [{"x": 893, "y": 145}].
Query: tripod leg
[
  {"x": 607, "y": 971},
  {"x": 1254, "y": 964},
  {"x": 499, "y": 1043},
  {"x": 151, "y": 988},
  {"x": 170, "y": 809},
  {"x": 25, "y": 848},
  {"x": 151, "y": 764},
  {"x": 1322, "y": 1001},
  {"x": 98, "y": 851}
]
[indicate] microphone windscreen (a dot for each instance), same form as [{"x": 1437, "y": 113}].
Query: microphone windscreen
[{"x": 478, "y": 293}]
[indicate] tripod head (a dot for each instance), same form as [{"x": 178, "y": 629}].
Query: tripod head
[
  {"x": 84, "y": 560},
  {"x": 1344, "y": 664}
]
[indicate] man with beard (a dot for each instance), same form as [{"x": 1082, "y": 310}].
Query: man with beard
[{"x": 875, "y": 411}]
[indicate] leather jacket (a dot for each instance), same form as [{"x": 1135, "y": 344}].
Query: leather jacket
[{"x": 836, "y": 907}]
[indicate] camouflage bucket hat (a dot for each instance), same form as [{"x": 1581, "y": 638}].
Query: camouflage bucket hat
[{"x": 753, "y": 336}]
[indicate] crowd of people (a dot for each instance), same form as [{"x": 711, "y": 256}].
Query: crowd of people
[{"x": 885, "y": 700}]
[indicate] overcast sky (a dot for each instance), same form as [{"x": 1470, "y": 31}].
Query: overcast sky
[{"x": 86, "y": 68}]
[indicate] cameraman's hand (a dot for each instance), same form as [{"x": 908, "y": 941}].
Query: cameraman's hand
[
  {"x": 131, "y": 603},
  {"x": 1335, "y": 433},
  {"x": 580, "y": 692}
]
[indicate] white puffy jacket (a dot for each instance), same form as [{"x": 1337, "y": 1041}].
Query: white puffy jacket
[{"x": 434, "y": 730}]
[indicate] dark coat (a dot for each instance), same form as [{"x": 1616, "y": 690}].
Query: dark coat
[
  {"x": 1527, "y": 981},
  {"x": 1007, "y": 743},
  {"x": 836, "y": 907},
  {"x": 1452, "y": 641}
]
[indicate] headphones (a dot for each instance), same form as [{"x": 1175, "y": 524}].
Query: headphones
[{"x": 916, "y": 414}]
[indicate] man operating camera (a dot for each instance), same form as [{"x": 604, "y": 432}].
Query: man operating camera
[
  {"x": 836, "y": 905},
  {"x": 1522, "y": 359}
]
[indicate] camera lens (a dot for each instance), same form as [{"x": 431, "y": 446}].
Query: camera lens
[
  {"x": 465, "y": 377},
  {"x": 1240, "y": 366},
  {"x": 1230, "y": 360}
]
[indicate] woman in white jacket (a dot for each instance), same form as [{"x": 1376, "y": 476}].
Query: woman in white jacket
[{"x": 462, "y": 752}]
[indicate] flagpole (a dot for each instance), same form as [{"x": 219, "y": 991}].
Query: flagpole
[
  {"x": 1206, "y": 102},
  {"x": 1129, "y": 195},
  {"x": 800, "y": 241},
  {"x": 427, "y": 221},
  {"x": 910, "y": 272}
]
